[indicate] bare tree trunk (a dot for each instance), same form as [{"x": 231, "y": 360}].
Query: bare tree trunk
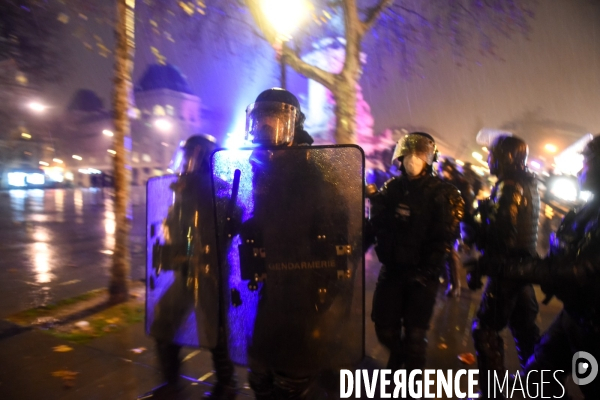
[
  {"x": 124, "y": 48},
  {"x": 344, "y": 93}
]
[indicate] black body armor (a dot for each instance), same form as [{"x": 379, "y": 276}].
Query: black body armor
[{"x": 416, "y": 223}]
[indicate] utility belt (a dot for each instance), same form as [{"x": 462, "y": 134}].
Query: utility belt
[
  {"x": 390, "y": 252},
  {"x": 179, "y": 257},
  {"x": 413, "y": 273}
]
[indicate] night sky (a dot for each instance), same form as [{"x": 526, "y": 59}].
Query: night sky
[{"x": 544, "y": 87}]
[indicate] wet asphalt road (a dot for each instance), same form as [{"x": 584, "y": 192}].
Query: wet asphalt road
[{"x": 57, "y": 243}]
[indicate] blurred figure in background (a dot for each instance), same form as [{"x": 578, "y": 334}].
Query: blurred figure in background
[
  {"x": 508, "y": 227},
  {"x": 570, "y": 272},
  {"x": 473, "y": 179},
  {"x": 450, "y": 173}
]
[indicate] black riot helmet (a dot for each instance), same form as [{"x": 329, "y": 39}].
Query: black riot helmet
[
  {"x": 507, "y": 154},
  {"x": 589, "y": 176},
  {"x": 274, "y": 118},
  {"x": 448, "y": 165},
  {"x": 419, "y": 143},
  {"x": 193, "y": 154}
]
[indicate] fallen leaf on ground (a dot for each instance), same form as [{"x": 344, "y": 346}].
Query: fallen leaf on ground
[
  {"x": 65, "y": 373},
  {"x": 63, "y": 348},
  {"x": 467, "y": 358},
  {"x": 112, "y": 320},
  {"x": 109, "y": 328},
  {"x": 83, "y": 325},
  {"x": 68, "y": 377},
  {"x": 442, "y": 346},
  {"x": 139, "y": 350}
]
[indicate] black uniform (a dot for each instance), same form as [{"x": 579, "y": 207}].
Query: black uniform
[
  {"x": 571, "y": 272},
  {"x": 415, "y": 223},
  {"x": 451, "y": 175},
  {"x": 509, "y": 228},
  {"x": 189, "y": 251},
  {"x": 294, "y": 315},
  {"x": 290, "y": 341}
]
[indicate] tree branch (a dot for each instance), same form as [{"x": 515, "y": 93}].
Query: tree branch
[
  {"x": 414, "y": 12},
  {"x": 373, "y": 14},
  {"x": 292, "y": 59}
]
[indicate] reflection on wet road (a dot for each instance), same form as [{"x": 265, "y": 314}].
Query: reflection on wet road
[{"x": 57, "y": 243}]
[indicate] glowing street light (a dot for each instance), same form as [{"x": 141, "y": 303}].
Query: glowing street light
[
  {"x": 25, "y": 135},
  {"x": 78, "y": 158},
  {"x": 284, "y": 17},
  {"x": 37, "y": 107},
  {"x": 477, "y": 156},
  {"x": 113, "y": 152},
  {"x": 57, "y": 160},
  {"x": 107, "y": 132},
  {"x": 44, "y": 163},
  {"x": 550, "y": 148},
  {"x": 163, "y": 124}
]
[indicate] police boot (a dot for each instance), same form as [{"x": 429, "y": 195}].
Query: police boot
[
  {"x": 391, "y": 338},
  {"x": 415, "y": 342},
  {"x": 525, "y": 339},
  {"x": 490, "y": 357},
  {"x": 261, "y": 384},
  {"x": 170, "y": 364},
  {"x": 225, "y": 388},
  {"x": 292, "y": 388}
]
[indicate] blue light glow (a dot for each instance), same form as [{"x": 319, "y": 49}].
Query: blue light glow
[
  {"x": 36, "y": 179},
  {"x": 17, "y": 179}
]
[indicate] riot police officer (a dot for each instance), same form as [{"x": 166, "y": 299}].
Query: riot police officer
[
  {"x": 571, "y": 272},
  {"x": 452, "y": 175},
  {"x": 189, "y": 251},
  {"x": 293, "y": 254},
  {"x": 509, "y": 225},
  {"x": 415, "y": 220}
]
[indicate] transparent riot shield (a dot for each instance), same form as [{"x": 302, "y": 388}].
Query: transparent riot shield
[
  {"x": 182, "y": 289},
  {"x": 290, "y": 246}
]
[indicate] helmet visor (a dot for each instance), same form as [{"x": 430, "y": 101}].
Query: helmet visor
[
  {"x": 421, "y": 146},
  {"x": 271, "y": 123}
]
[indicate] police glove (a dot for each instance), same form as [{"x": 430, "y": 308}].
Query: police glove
[{"x": 453, "y": 290}]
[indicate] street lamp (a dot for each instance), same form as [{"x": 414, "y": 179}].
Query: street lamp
[
  {"x": 285, "y": 17},
  {"x": 477, "y": 156},
  {"x": 37, "y": 107},
  {"x": 550, "y": 148},
  {"x": 163, "y": 124},
  {"x": 107, "y": 132}
]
